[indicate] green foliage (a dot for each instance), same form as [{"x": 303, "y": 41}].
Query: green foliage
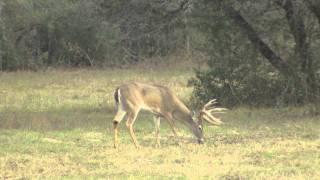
[
  {"x": 238, "y": 74},
  {"x": 35, "y": 34},
  {"x": 86, "y": 33}
]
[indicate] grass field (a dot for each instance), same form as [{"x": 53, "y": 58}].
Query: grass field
[{"x": 58, "y": 125}]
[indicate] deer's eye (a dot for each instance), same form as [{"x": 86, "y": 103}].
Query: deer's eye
[{"x": 200, "y": 127}]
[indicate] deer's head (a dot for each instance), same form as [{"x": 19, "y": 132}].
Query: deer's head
[{"x": 207, "y": 113}]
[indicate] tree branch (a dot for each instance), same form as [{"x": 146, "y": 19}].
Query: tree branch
[
  {"x": 314, "y": 7},
  {"x": 297, "y": 27},
  {"x": 302, "y": 47},
  {"x": 274, "y": 59}
]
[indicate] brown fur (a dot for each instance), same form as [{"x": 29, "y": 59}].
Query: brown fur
[{"x": 159, "y": 100}]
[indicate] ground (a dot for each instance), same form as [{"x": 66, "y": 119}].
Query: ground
[{"x": 58, "y": 124}]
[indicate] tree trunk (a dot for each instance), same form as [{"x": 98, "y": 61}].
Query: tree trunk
[
  {"x": 51, "y": 45},
  {"x": 308, "y": 83},
  {"x": 275, "y": 60},
  {"x": 35, "y": 45},
  {"x": 303, "y": 53}
]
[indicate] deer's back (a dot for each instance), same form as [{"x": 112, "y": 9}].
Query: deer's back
[{"x": 147, "y": 96}]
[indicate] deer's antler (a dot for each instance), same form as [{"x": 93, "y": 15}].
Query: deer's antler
[{"x": 208, "y": 111}]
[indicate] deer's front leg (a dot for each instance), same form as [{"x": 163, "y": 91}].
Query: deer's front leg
[
  {"x": 130, "y": 121},
  {"x": 156, "y": 120},
  {"x": 173, "y": 129},
  {"x": 115, "y": 129},
  {"x": 170, "y": 120}
]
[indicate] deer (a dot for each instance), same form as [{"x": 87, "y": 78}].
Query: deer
[{"x": 132, "y": 97}]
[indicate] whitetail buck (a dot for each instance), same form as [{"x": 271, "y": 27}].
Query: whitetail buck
[{"x": 132, "y": 97}]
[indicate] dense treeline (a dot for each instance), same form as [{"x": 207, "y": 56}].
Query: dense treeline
[
  {"x": 260, "y": 52},
  {"x": 41, "y": 33}
]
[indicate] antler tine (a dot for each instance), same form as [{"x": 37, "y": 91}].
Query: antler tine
[
  {"x": 217, "y": 110},
  {"x": 208, "y": 111},
  {"x": 211, "y": 119},
  {"x": 210, "y": 103}
]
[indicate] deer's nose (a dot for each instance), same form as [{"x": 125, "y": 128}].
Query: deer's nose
[{"x": 201, "y": 141}]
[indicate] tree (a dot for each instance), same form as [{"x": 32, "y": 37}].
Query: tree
[
  {"x": 298, "y": 72},
  {"x": 148, "y": 28},
  {"x": 43, "y": 33}
]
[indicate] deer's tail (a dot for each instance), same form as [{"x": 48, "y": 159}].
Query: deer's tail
[{"x": 117, "y": 95}]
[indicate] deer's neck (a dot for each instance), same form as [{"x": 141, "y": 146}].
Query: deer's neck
[
  {"x": 185, "y": 116},
  {"x": 182, "y": 112}
]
